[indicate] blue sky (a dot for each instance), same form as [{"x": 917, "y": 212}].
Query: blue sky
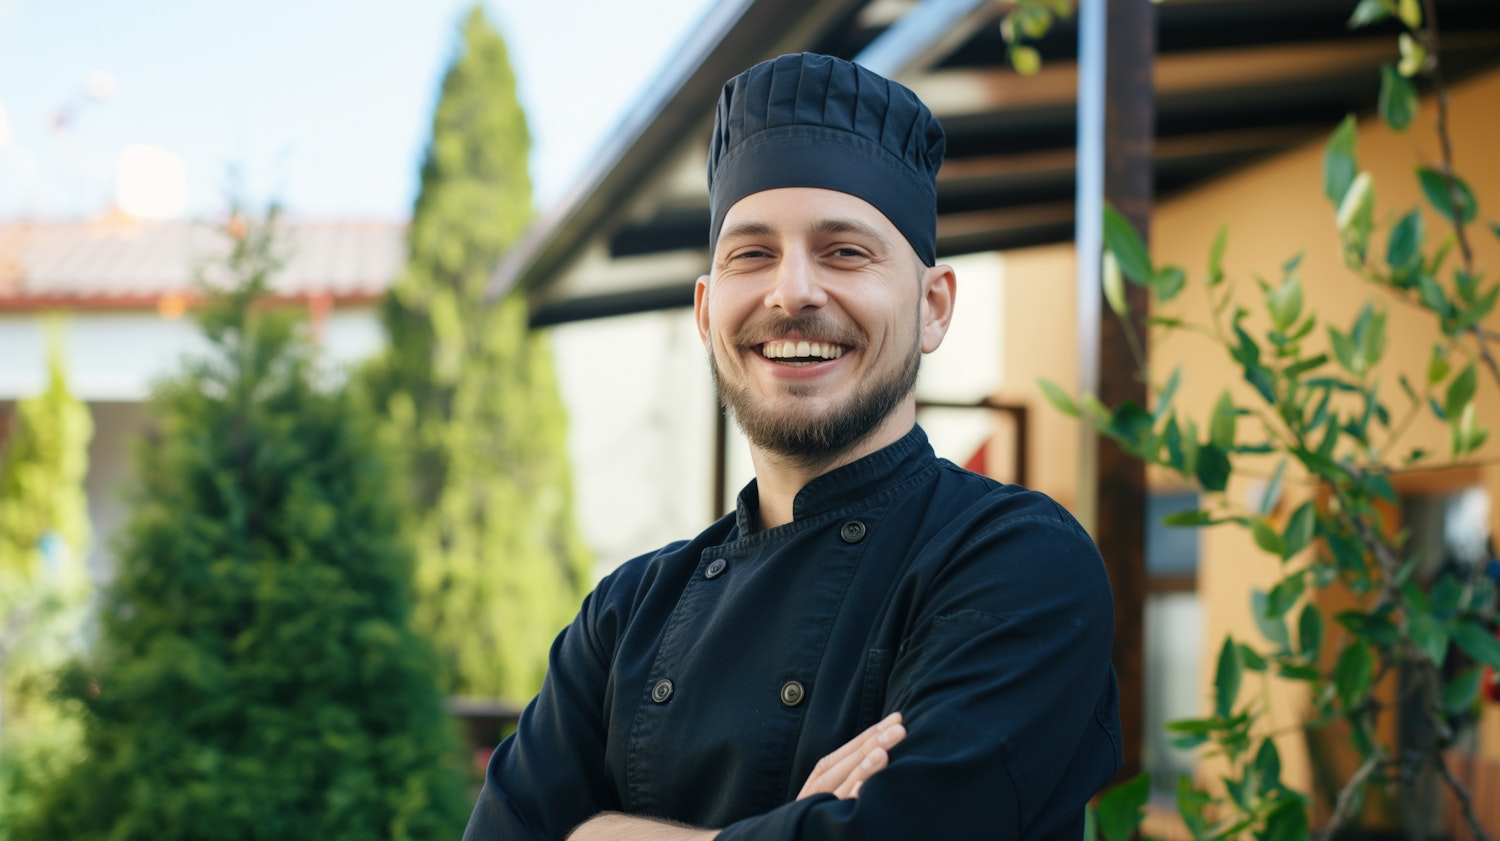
[{"x": 323, "y": 103}]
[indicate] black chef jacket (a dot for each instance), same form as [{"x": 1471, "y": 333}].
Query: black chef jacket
[{"x": 702, "y": 682}]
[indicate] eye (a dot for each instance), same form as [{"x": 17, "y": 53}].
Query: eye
[{"x": 848, "y": 252}]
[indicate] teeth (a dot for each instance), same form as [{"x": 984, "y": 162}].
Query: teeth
[{"x": 796, "y": 350}]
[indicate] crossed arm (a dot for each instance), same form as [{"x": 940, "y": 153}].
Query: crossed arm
[{"x": 841, "y": 773}]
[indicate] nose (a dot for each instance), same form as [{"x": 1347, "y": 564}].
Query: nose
[{"x": 795, "y": 285}]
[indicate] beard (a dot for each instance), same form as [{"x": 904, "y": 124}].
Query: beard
[{"x": 801, "y": 437}]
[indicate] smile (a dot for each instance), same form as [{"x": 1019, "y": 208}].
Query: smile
[{"x": 801, "y": 353}]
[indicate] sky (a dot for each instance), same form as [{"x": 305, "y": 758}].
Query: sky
[{"x": 324, "y": 105}]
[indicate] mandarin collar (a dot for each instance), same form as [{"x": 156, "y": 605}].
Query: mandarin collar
[{"x": 844, "y": 485}]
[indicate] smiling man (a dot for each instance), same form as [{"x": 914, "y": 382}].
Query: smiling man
[{"x": 876, "y": 643}]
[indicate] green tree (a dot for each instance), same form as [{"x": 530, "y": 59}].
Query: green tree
[
  {"x": 44, "y": 585},
  {"x": 256, "y": 675},
  {"x": 473, "y": 399}
]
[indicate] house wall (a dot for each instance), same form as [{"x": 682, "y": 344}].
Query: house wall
[{"x": 1274, "y": 210}]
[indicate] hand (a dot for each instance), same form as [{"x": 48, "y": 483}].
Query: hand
[{"x": 842, "y": 772}]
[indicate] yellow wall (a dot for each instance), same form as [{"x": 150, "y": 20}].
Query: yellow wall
[{"x": 1274, "y": 210}]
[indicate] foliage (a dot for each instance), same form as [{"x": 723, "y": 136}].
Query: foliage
[
  {"x": 473, "y": 401},
  {"x": 1323, "y": 411},
  {"x": 255, "y": 673},
  {"x": 44, "y": 584}
]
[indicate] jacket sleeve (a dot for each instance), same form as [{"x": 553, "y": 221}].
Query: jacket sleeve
[
  {"x": 550, "y": 775},
  {"x": 1006, "y": 690}
]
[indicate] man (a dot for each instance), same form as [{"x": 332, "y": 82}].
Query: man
[{"x": 875, "y": 643}]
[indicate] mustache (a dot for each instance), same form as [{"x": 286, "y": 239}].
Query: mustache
[{"x": 814, "y": 325}]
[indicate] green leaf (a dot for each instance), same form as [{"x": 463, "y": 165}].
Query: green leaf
[
  {"x": 1266, "y": 537},
  {"x": 1432, "y": 296},
  {"x": 1212, "y": 468},
  {"x": 1194, "y": 806},
  {"x": 1447, "y": 594},
  {"x": 1285, "y": 303},
  {"x": 1338, "y": 161},
  {"x": 1462, "y": 691},
  {"x": 1189, "y": 519},
  {"x": 1435, "y": 188},
  {"x": 1438, "y": 367},
  {"x": 1121, "y": 808},
  {"x": 1403, "y": 251},
  {"x": 1477, "y": 641},
  {"x": 1227, "y": 678},
  {"x": 1130, "y": 424},
  {"x": 1354, "y": 673},
  {"x": 1285, "y": 595},
  {"x": 1398, "y": 98},
  {"x": 1429, "y": 636},
  {"x": 1122, "y": 240},
  {"x": 1460, "y": 391},
  {"x": 1345, "y": 351},
  {"x": 1356, "y": 206},
  {"x": 1271, "y": 626},
  {"x": 1370, "y": 11},
  {"x": 1251, "y": 658},
  {"x": 1268, "y": 766},
  {"x": 1410, "y": 12},
  {"x": 1299, "y": 529},
  {"x": 1221, "y": 427},
  {"x": 1114, "y": 285},
  {"x": 1164, "y": 397},
  {"x": 1272, "y": 496},
  {"x": 1059, "y": 399},
  {"x": 1288, "y": 822},
  {"x": 1297, "y": 369},
  {"x": 1166, "y": 283},
  {"x": 1310, "y": 631},
  {"x": 1216, "y": 255},
  {"x": 1413, "y": 55},
  {"x": 1025, "y": 59},
  {"x": 1176, "y": 457},
  {"x": 1377, "y": 628}
]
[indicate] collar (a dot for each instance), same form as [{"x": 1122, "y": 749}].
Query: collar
[{"x": 847, "y": 484}]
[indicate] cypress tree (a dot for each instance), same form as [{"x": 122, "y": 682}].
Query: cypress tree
[
  {"x": 473, "y": 398},
  {"x": 256, "y": 675},
  {"x": 44, "y": 586}
]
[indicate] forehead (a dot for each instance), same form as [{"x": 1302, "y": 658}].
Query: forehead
[{"x": 799, "y": 210}]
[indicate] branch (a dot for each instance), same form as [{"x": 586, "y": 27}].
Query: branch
[
  {"x": 1346, "y": 795},
  {"x": 1464, "y": 799}
]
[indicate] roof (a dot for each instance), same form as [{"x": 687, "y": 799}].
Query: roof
[
  {"x": 1236, "y": 80},
  {"x": 120, "y": 263}
]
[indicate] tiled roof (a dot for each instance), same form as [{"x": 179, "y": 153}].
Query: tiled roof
[{"x": 124, "y": 263}]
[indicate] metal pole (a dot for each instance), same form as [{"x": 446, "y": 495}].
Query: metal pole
[{"x": 1088, "y": 238}]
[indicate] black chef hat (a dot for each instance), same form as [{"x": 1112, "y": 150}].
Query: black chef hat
[{"x": 810, "y": 120}]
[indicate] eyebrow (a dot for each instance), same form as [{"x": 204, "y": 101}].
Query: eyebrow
[{"x": 822, "y": 227}]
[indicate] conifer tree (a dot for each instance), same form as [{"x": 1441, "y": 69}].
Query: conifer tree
[
  {"x": 473, "y": 399},
  {"x": 256, "y": 675},
  {"x": 44, "y": 585}
]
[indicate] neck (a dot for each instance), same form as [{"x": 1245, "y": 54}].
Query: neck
[{"x": 778, "y": 479}]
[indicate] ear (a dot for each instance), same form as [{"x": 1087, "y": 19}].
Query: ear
[
  {"x": 939, "y": 286},
  {"x": 700, "y": 307}
]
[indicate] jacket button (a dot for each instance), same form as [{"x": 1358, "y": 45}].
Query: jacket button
[
  {"x": 715, "y": 568},
  {"x": 661, "y": 691},
  {"x": 852, "y": 532},
  {"x": 792, "y": 693}
]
